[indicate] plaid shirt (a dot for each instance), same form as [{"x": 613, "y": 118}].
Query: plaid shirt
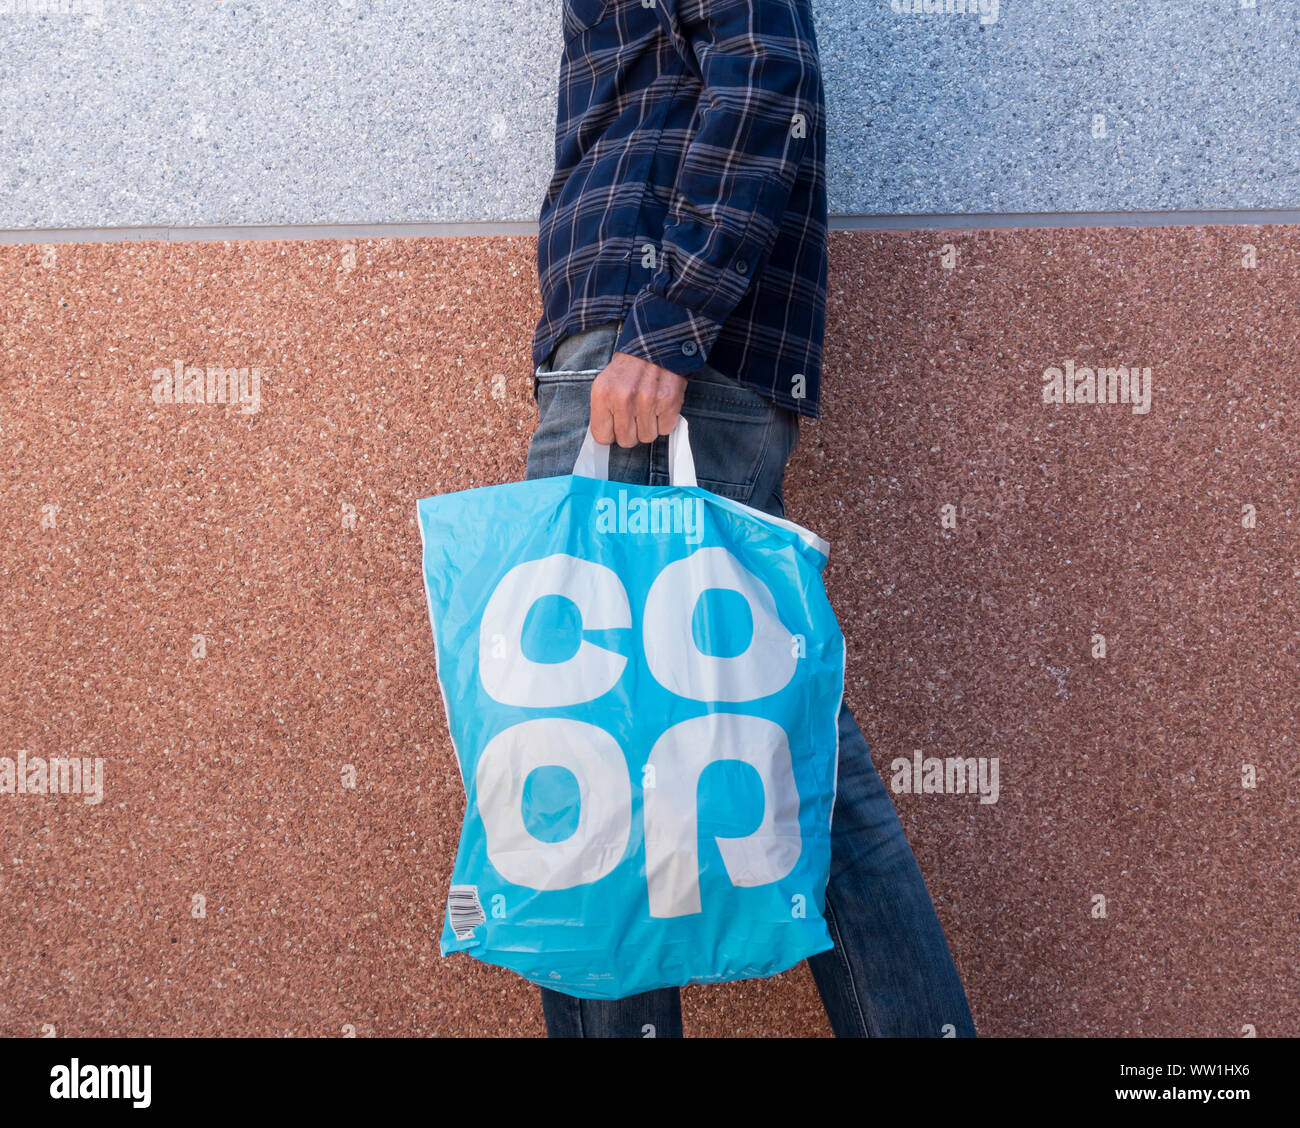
[{"x": 689, "y": 192}]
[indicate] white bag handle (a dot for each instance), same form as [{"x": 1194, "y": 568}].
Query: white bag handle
[{"x": 593, "y": 458}]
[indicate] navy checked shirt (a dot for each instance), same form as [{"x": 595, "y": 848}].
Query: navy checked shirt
[{"x": 689, "y": 192}]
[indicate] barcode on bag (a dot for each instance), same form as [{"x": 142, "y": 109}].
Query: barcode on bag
[{"x": 464, "y": 910}]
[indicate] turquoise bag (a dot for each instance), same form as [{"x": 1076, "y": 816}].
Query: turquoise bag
[{"x": 642, "y": 685}]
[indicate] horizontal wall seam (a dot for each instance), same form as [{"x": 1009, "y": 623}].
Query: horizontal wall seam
[{"x": 970, "y": 222}]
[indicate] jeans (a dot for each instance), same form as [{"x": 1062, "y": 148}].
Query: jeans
[{"x": 890, "y": 973}]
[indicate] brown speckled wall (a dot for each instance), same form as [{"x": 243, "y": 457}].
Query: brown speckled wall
[{"x": 223, "y": 604}]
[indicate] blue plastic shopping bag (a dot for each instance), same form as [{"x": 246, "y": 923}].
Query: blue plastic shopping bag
[{"x": 642, "y": 686}]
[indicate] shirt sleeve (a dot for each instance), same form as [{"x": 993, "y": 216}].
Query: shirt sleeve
[{"x": 760, "y": 101}]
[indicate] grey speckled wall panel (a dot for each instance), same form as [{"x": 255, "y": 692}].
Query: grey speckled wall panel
[
  {"x": 202, "y": 113},
  {"x": 198, "y": 113},
  {"x": 946, "y": 114}
]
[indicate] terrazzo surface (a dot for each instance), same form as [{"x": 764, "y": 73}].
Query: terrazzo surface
[
  {"x": 205, "y": 113},
  {"x": 223, "y": 603}
]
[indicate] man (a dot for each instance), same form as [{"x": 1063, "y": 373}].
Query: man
[{"x": 682, "y": 267}]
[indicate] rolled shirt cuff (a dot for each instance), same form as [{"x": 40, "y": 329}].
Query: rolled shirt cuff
[{"x": 666, "y": 334}]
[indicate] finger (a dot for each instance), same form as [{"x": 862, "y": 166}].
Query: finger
[
  {"x": 602, "y": 422},
  {"x": 670, "y": 404},
  {"x": 647, "y": 423},
  {"x": 667, "y": 418},
  {"x": 625, "y": 423}
]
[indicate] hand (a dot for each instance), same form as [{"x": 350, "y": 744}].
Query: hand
[{"x": 634, "y": 401}]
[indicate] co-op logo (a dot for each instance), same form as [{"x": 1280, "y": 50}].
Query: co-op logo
[{"x": 671, "y": 775}]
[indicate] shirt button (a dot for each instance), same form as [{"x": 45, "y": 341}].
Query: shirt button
[
  {"x": 742, "y": 267},
  {"x": 690, "y": 348}
]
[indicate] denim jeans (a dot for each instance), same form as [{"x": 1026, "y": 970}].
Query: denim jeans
[{"x": 890, "y": 973}]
